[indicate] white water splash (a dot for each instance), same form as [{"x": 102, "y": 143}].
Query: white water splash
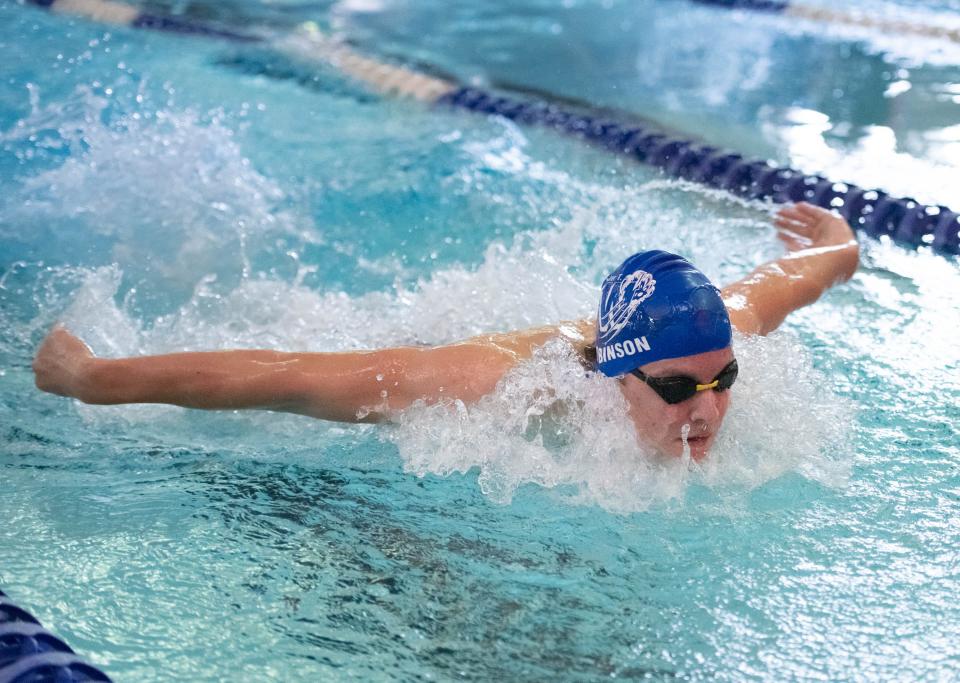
[
  {"x": 552, "y": 424},
  {"x": 168, "y": 194},
  {"x": 549, "y": 423},
  {"x": 684, "y": 433}
]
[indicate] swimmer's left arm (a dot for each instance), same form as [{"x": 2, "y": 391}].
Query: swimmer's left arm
[{"x": 822, "y": 251}]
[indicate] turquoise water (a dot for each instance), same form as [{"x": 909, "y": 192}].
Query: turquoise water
[{"x": 163, "y": 193}]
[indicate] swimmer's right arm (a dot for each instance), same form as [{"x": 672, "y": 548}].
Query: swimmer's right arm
[{"x": 361, "y": 386}]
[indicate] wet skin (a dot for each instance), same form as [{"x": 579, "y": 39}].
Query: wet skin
[
  {"x": 348, "y": 386},
  {"x": 659, "y": 424}
]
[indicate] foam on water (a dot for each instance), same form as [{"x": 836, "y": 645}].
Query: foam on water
[
  {"x": 298, "y": 548},
  {"x": 549, "y": 422},
  {"x": 900, "y": 45},
  {"x": 167, "y": 193},
  {"x": 552, "y": 424}
]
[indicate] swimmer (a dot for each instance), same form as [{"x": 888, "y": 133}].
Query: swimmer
[{"x": 663, "y": 333}]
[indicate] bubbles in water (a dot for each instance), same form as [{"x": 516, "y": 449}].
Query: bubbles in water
[
  {"x": 684, "y": 433},
  {"x": 95, "y": 316},
  {"x": 167, "y": 195},
  {"x": 918, "y": 34},
  {"x": 782, "y": 418},
  {"x": 549, "y": 423},
  {"x": 552, "y": 424}
]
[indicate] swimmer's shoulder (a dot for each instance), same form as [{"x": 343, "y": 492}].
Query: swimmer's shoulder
[
  {"x": 521, "y": 344},
  {"x": 742, "y": 316}
]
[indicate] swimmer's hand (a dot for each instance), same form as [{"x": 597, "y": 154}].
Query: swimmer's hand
[
  {"x": 805, "y": 226},
  {"x": 822, "y": 251},
  {"x": 62, "y": 364}
]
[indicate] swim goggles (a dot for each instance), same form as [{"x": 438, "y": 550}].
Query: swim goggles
[{"x": 680, "y": 388}]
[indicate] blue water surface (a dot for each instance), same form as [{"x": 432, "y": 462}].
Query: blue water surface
[{"x": 162, "y": 193}]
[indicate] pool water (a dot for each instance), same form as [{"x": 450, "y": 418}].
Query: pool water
[{"x": 162, "y": 193}]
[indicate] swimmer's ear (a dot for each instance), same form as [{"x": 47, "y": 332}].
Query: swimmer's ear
[{"x": 589, "y": 357}]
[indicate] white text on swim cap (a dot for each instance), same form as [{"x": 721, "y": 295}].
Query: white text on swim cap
[{"x": 629, "y": 347}]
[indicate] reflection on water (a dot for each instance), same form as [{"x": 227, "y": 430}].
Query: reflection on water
[
  {"x": 731, "y": 75},
  {"x": 163, "y": 198}
]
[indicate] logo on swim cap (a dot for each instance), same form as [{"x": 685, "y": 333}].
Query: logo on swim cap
[{"x": 619, "y": 304}]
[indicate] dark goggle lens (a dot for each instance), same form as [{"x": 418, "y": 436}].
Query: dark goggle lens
[
  {"x": 675, "y": 390},
  {"x": 727, "y": 376}
]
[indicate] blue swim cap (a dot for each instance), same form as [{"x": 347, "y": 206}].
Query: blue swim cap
[{"x": 656, "y": 305}]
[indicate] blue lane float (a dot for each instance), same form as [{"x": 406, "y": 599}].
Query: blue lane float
[
  {"x": 160, "y": 23},
  {"x": 31, "y": 654},
  {"x": 871, "y": 212},
  {"x": 756, "y": 5}
]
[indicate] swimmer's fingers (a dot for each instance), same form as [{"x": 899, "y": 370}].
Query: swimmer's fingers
[
  {"x": 794, "y": 225},
  {"x": 813, "y": 212},
  {"x": 806, "y": 211},
  {"x": 794, "y": 232},
  {"x": 63, "y": 338},
  {"x": 794, "y": 241},
  {"x": 60, "y": 361},
  {"x": 829, "y": 226},
  {"x": 789, "y": 219},
  {"x": 812, "y": 223},
  {"x": 804, "y": 214}
]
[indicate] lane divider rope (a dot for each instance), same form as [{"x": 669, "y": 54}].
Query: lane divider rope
[
  {"x": 109, "y": 12},
  {"x": 831, "y": 16},
  {"x": 873, "y": 212},
  {"x": 870, "y": 211},
  {"x": 31, "y": 654},
  {"x": 311, "y": 43}
]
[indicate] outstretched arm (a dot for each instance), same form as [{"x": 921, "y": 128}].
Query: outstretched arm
[
  {"x": 821, "y": 251},
  {"x": 362, "y": 386}
]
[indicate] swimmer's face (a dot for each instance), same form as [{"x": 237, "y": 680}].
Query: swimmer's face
[{"x": 659, "y": 423}]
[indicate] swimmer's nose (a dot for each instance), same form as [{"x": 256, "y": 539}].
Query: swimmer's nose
[{"x": 705, "y": 407}]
